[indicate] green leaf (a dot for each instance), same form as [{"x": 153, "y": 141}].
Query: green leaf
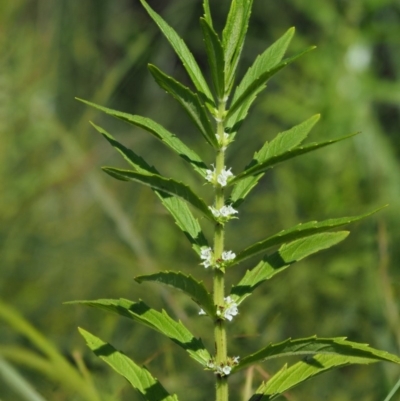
[
  {"x": 139, "y": 378},
  {"x": 158, "y": 131},
  {"x": 185, "y": 220},
  {"x": 316, "y": 346},
  {"x": 166, "y": 185},
  {"x": 290, "y": 154},
  {"x": 264, "y": 62},
  {"x": 183, "y": 53},
  {"x": 259, "y": 83},
  {"x": 233, "y": 37},
  {"x": 280, "y": 260},
  {"x": 215, "y": 55},
  {"x": 297, "y": 232},
  {"x": 189, "y": 101},
  {"x": 159, "y": 321},
  {"x": 187, "y": 284},
  {"x": 284, "y": 141},
  {"x": 350, "y": 353},
  {"x": 207, "y": 12}
]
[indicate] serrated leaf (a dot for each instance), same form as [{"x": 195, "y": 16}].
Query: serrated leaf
[
  {"x": 284, "y": 141},
  {"x": 187, "y": 284},
  {"x": 159, "y": 132},
  {"x": 161, "y": 322},
  {"x": 160, "y": 183},
  {"x": 207, "y": 12},
  {"x": 215, "y": 55},
  {"x": 260, "y": 81},
  {"x": 233, "y": 37},
  {"x": 140, "y": 378},
  {"x": 280, "y": 260},
  {"x": 189, "y": 101},
  {"x": 297, "y": 232},
  {"x": 185, "y": 220},
  {"x": 183, "y": 53},
  {"x": 264, "y": 62},
  {"x": 287, "y": 378},
  {"x": 290, "y": 154}
]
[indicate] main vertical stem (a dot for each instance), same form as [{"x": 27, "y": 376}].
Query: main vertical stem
[{"x": 219, "y": 279}]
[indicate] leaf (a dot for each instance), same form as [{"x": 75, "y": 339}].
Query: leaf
[
  {"x": 290, "y": 154},
  {"x": 138, "y": 377},
  {"x": 161, "y": 322},
  {"x": 215, "y": 55},
  {"x": 166, "y": 185},
  {"x": 259, "y": 82},
  {"x": 284, "y": 141},
  {"x": 264, "y": 62},
  {"x": 287, "y": 378},
  {"x": 280, "y": 260},
  {"x": 189, "y": 101},
  {"x": 207, "y": 12},
  {"x": 297, "y": 232},
  {"x": 158, "y": 131},
  {"x": 183, "y": 53},
  {"x": 185, "y": 220},
  {"x": 187, "y": 284},
  {"x": 233, "y": 37},
  {"x": 312, "y": 346}
]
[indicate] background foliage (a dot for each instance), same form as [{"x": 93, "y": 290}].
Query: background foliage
[{"x": 70, "y": 232}]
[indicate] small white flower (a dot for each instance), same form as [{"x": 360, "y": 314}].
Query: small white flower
[
  {"x": 206, "y": 255},
  {"x": 225, "y": 212},
  {"x": 202, "y": 312},
  {"x": 222, "y": 178},
  {"x": 210, "y": 175},
  {"x": 226, "y": 370},
  {"x": 228, "y": 255},
  {"x": 235, "y": 359},
  {"x": 211, "y": 364},
  {"x": 231, "y": 308}
]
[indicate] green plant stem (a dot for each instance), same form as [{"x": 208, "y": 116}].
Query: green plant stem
[{"x": 219, "y": 274}]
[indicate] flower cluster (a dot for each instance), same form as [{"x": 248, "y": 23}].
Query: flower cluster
[
  {"x": 229, "y": 310},
  {"x": 206, "y": 254},
  {"x": 224, "y": 369},
  {"x": 226, "y": 212},
  {"x": 221, "y": 178},
  {"x": 224, "y": 141}
]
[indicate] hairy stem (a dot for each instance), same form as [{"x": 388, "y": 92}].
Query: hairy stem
[{"x": 219, "y": 279}]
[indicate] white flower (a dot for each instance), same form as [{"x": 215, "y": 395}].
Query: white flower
[
  {"x": 206, "y": 255},
  {"x": 225, "y": 212},
  {"x": 222, "y": 178},
  {"x": 211, "y": 364},
  {"x": 226, "y": 370},
  {"x": 202, "y": 312},
  {"x": 235, "y": 359},
  {"x": 231, "y": 308},
  {"x": 228, "y": 255}
]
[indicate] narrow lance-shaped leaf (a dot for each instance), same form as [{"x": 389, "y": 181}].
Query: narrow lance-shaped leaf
[
  {"x": 264, "y": 62},
  {"x": 187, "y": 284},
  {"x": 161, "y": 322},
  {"x": 189, "y": 101},
  {"x": 183, "y": 53},
  {"x": 176, "y": 206},
  {"x": 280, "y": 260},
  {"x": 140, "y": 378},
  {"x": 215, "y": 57},
  {"x": 259, "y": 83},
  {"x": 297, "y": 232},
  {"x": 234, "y": 35},
  {"x": 159, "y": 132},
  {"x": 167, "y": 185},
  {"x": 287, "y": 378},
  {"x": 283, "y": 142},
  {"x": 290, "y": 154},
  {"x": 315, "y": 346},
  {"x": 207, "y": 12}
]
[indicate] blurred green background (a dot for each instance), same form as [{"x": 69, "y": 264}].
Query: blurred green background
[{"x": 70, "y": 232}]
